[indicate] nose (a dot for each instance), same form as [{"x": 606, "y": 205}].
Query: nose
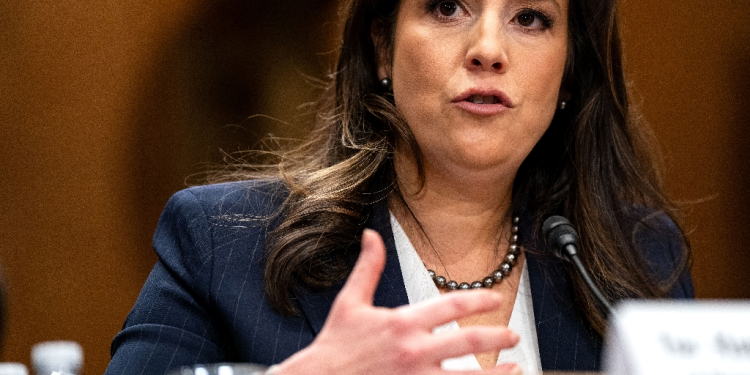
[{"x": 487, "y": 50}]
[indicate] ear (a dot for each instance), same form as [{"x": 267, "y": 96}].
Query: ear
[{"x": 378, "y": 34}]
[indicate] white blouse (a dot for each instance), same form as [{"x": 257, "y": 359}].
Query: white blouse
[{"x": 419, "y": 287}]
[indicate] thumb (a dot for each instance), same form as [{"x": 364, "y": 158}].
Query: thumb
[{"x": 362, "y": 282}]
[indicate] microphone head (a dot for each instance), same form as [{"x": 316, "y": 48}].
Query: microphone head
[{"x": 560, "y": 234}]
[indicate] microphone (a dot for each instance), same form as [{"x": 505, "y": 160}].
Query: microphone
[{"x": 562, "y": 237}]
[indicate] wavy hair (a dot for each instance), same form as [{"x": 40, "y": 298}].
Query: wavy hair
[{"x": 594, "y": 165}]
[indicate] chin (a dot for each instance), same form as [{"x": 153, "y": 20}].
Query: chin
[{"x": 488, "y": 162}]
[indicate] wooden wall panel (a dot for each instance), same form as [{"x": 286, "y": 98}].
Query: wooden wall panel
[
  {"x": 72, "y": 258},
  {"x": 689, "y": 62}
]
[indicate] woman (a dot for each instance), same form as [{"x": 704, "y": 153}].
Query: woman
[{"x": 453, "y": 129}]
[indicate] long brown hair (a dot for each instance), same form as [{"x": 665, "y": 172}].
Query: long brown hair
[{"x": 594, "y": 165}]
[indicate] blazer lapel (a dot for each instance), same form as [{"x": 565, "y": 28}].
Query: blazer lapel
[
  {"x": 566, "y": 340},
  {"x": 549, "y": 330},
  {"x": 390, "y": 292}
]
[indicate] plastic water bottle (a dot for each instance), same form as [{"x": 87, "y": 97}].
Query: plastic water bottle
[
  {"x": 57, "y": 358},
  {"x": 12, "y": 368},
  {"x": 222, "y": 369}
]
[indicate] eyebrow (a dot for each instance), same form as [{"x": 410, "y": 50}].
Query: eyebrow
[{"x": 553, "y": 2}]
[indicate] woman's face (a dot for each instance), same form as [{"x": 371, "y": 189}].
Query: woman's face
[{"x": 478, "y": 81}]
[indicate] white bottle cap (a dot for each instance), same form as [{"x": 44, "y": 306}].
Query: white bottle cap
[
  {"x": 12, "y": 368},
  {"x": 64, "y": 356}
]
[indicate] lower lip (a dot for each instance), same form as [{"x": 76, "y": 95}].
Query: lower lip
[{"x": 481, "y": 109}]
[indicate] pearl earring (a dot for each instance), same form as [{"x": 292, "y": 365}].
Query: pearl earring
[
  {"x": 562, "y": 105},
  {"x": 386, "y": 83}
]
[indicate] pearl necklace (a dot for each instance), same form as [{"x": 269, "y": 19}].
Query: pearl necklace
[{"x": 505, "y": 268}]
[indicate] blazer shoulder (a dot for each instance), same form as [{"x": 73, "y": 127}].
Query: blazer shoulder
[
  {"x": 657, "y": 235},
  {"x": 199, "y": 219},
  {"x": 250, "y": 198},
  {"x": 664, "y": 249}
]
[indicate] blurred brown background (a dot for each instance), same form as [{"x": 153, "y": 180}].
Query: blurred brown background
[{"x": 106, "y": 107}]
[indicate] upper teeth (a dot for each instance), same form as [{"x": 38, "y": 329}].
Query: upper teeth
[{"x": 482, "y": 99}]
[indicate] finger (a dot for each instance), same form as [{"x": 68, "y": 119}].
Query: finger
[
  {"x": 473, "y": 339},
  {"x": 362, "y": 282},
  {"x": 452, "y": 306}
]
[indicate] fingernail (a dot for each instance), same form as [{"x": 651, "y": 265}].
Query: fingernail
[
  {"x": 514, "y": 336},
  {"x": 511, "y": 368},
  {"x": 367, "y": 234}
]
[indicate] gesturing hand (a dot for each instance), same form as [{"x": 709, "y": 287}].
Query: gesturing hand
[{"x": 358, "y": 338}]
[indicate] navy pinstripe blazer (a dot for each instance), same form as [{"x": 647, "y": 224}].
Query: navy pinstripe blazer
[{"x": 204, "y": 301}]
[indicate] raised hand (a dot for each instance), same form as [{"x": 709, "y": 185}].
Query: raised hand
[{"x": 359, "y": 338}]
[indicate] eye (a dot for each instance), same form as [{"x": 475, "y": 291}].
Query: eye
[
  {"x": 447, "y": 8},
  {"x": 533, "y": 19},
  {"x": 526, "y": 19}
]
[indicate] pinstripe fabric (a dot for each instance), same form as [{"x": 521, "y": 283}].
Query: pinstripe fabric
[
  {"x": 566, "y": 341},
  {"x": 204, "y": 301}
]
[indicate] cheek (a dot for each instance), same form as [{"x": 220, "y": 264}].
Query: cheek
[
  {"x": 421, "y": 65},
  {"x": 541, "y": 81},
  {"x": 543, "y": 74}
]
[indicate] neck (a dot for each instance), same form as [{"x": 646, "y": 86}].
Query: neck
[{"x": 454, "y": 216}]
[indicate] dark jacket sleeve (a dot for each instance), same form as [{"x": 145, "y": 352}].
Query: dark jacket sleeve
[{"x": 171, "y": 325}]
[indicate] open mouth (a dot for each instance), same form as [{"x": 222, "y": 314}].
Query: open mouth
[{"x": 483, "y": 99}]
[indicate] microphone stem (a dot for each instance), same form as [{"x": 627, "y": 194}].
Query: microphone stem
[{"x": 592, "y": 287}]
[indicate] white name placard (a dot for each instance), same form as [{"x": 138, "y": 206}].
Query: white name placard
[{"x": 679, "y": 338}]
